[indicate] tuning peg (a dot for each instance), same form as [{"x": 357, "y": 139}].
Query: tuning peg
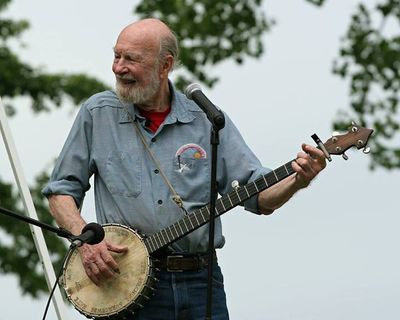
[
  {"x": 345, "y": 157},
  {"x": 235, "y": 184},
  {"x": 335, "y": 135},
  {"x": 367, "y": 150}
]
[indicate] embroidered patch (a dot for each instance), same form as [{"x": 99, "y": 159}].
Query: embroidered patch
[
  {"x": 187, "y": 156},
  {"x": 191, "y": 151}
]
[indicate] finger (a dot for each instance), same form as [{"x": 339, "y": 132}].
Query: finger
[
  {"x": 303, "y": 169},
  {"x": 105, "y": 270},
  {"x": 315, "y": 153},
  {"x": 307, "y": 164},
  {"x": 117, "y": 248},
  {"x": 300, "y": 175},
  {"x": 110, "y": 262},
  {"x": 92, "y": 272},
  {"x": 296, "y": 167},
  {"x": 302, "y": 155},
  {"x": 304, "y": 161},
  {"x": 317, "y": 157}
]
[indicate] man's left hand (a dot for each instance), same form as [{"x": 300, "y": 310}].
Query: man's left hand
[{"x": 308, "y": 164}]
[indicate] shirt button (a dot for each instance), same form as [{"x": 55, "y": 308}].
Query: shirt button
[
  {"x": 159, "y": 201},
  {"x": 156, "y": 171},
  {"x": 153, "y": 139}
]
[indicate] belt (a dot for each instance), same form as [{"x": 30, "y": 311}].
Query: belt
[{"x": 182, "y": 262}]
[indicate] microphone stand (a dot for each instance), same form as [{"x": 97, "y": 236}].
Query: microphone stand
[
  {"x": 217, "y": 120},
  {"x": 217, "y": 125},
  {"x": 59, "y": 231}
]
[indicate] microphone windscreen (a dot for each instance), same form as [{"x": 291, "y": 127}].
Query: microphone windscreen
[
  {"x": 190, "y": 89},
  {"x": 98, "y": 232}
]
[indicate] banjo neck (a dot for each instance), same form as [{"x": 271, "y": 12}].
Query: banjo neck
[
  {"x": 200, "y": 217},
  {"x": 356, "y": 136}
]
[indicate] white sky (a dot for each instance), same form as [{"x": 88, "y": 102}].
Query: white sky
[{"x": 331, "y": 253}]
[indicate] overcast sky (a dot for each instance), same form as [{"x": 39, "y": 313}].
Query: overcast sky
[{"x": 332, "y": 251}]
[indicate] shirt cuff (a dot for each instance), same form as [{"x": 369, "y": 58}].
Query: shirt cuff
[
  {"x": 252, "y": 203},
  {"x": 65, "y": 187}
]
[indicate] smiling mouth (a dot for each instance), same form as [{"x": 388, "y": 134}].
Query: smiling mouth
[{"x": 126, "y": 81}]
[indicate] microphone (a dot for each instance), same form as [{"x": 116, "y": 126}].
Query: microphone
[
  {"x": 92, "y": 233},
  {"x": 214, "y": 115}
]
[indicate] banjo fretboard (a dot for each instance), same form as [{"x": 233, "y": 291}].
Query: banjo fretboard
[{"x": 200, "y": 217}]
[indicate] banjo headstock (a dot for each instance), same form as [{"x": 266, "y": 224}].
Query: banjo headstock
[{"x": 357, "y": 136}]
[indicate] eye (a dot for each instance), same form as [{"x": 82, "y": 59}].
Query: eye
[{"x": 132, "y": 58}]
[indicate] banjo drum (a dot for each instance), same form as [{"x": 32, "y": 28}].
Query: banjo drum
[{"x": 121, "y": 295}]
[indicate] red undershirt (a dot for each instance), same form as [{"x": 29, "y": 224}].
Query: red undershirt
[{"x": 154, "y": 119}]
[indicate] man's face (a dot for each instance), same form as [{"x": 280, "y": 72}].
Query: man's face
[{"x": 136, "y": 69}]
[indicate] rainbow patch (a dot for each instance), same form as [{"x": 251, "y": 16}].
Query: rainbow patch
[{"x": 191, "y": 151}]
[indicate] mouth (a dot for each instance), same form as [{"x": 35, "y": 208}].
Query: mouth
[{"x": 126, "y": 81}]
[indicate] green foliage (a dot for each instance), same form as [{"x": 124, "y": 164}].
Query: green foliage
[
  {"x": 20, "y": 79},
  {"x": 10, "y": 28},
  {"x": 18, "y": 254},
  {"x": 45, "y": 90},
  {"x": 210, "y": 32},
  {"x": 370, "y": 58}
]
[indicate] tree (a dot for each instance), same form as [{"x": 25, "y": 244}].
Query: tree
[
  {"x": 18, "y": 252},
  {"x": 370, "y": 59},
  {"x": 210, "y": 32}
]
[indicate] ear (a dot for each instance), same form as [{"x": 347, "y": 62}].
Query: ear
[{"x": 166, "y": 66}]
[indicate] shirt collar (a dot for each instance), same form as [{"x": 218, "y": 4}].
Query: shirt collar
[{"x": 181, "y": 107}]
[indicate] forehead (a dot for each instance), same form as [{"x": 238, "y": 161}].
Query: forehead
[{"x": 137, "y": 42}]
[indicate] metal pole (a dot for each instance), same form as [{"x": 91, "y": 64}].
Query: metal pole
[{"x": 37, "y": 234}]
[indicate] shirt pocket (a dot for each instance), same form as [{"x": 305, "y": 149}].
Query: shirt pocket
[
  {"x": 191, "y": 179},
  {"x": 123, "y": 174}
]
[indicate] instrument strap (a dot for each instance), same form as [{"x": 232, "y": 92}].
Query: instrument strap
[{"x": 175, "y": 196}]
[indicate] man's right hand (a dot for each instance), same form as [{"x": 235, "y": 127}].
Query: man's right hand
[{"x": 98, "y": 262}]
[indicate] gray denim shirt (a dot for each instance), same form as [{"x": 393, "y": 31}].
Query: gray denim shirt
[{"x": 128, "y": 187}]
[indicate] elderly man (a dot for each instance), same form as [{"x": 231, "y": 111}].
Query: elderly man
[{"x": 113, "y": 138}]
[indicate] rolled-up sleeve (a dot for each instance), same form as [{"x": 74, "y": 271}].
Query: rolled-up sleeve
[
  {"x": 74, "y": 165},
  {"x": 252, "y": 204},
  {"x": 238, "y": 162}
]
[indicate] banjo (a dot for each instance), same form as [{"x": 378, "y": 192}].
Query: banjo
[{"x": 122, "y": 295}]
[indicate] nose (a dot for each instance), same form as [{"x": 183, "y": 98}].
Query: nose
[{"x": 119, "y": 66}]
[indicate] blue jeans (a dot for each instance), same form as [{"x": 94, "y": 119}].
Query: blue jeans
[{"x": 183, "y": 296}]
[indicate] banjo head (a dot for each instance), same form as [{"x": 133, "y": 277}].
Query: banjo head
[{"x": 120, "y": 294}]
